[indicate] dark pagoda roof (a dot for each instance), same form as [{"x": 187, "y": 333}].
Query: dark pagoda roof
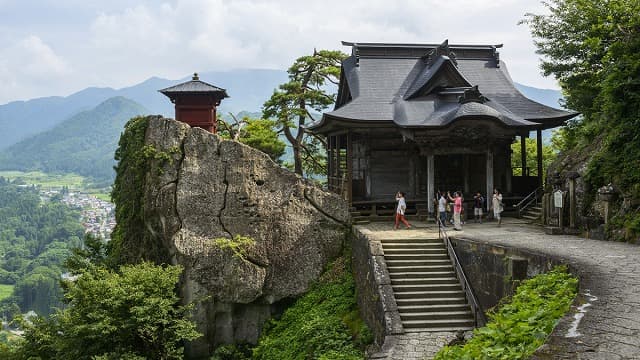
[
  {"x": 431, "y": 86},
  {"x": 195, "y": 86}
]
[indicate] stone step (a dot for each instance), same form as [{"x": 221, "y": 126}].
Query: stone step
[
  {"x": 433, "y": 308},
  {"x": 431, "y": 301},
  {"x": 422, "y": 275},
  {"x": 413, "y": 245},
  {"x": 397, "y": 289},
  {"x": 530, "y": 217},
  {"x": 424, "y": 280},
  {"x": 417, "y": 263},
  {"x": 437, "y": 315},
  {"x": 416, "y": 257},
  {"x": 429, "y": 294},
  {"x": 411, "y": 251},
  {"x": 420, "y": 269},
  {"x": 409, "y": 240},
  {"x": 432, "y": 324},
  {"x": 438, "y": 329}
]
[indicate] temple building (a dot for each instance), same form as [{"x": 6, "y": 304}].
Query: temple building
[
  {"x": 196, "y": 102},
  {"x": 422, "y": 117}
]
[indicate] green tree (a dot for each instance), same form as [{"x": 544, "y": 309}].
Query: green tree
[
  {"x": 292, "y": 103},
  {"x": 257, "y": 133},
  {"x": 548, "y": 155},
  {"x": 131, "y": 313},
  {"x": 593, "y": 48}
]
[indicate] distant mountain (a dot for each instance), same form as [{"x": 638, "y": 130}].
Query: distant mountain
[
  {"x": 547, "y": 97},
  {"x": 248, "y": 90},
  {"x": 83, "y": 144}
]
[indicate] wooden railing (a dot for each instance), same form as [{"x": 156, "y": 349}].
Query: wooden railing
[
  {"x": 478, "y": 316},
  {"x": 533, "y": 198}
]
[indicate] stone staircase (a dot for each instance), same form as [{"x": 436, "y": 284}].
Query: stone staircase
[
  {"x": 532, "y": 213},
  {"x": 425, "y": 286}
]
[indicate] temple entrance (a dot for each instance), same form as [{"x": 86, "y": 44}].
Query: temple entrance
[{"x": 460, "y": 172}]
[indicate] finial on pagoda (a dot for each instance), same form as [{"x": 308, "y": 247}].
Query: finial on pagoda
[
  {"x": 472, "y": 95},
  {"x": 195, "y": 76}
]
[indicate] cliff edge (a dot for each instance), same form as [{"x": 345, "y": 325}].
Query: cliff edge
[{"x": 201, "y": 197}]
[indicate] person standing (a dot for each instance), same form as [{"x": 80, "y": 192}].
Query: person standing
[
  {"x": 402, "y": 207},
  {"x": 457, "y": 210},
  {"x": 442, "y": 208},
  {"x": 496, "y": 204},
  {"x": 478, "y": 202}
]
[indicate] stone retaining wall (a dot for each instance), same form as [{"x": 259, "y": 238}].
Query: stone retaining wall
[
  {"x": 494, "y": 271},
  {"x": 376, "y": 302}
]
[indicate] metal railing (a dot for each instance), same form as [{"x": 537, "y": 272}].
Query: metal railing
[
  {"x": 532, "y": 198},
  {"x": 478, "y": 316}
]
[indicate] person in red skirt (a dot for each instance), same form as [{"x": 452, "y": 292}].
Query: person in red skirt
[{"x": 402, "y": 207}]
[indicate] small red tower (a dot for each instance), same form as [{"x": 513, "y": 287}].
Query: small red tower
[{"x": 196, "y": 102}]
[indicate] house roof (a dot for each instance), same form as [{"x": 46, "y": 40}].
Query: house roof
[
  {"x": 194, "y": 86},
  {"x": 424, "y": 85}
]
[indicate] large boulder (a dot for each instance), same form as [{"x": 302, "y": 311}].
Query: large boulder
[{"x": 201, "y": 193}]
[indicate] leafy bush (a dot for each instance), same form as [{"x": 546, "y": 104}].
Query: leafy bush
[
  {"x": 323, "y": 324},
  {"x": 516, "y": 329}
]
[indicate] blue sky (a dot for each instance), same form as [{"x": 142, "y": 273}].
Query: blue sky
[{"x": 58, "y": 47}]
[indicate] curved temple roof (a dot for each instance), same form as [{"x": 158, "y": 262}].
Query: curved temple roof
[{"x": 431, "y": 86}]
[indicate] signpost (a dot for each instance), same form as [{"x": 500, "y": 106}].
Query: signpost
[{"x": 557, "y": 202}]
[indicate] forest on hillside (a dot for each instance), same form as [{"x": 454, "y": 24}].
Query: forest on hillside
[{"x": 36, "y": 237}]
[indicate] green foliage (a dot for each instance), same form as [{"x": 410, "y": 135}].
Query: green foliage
[
  {"x": 130, "y": 242},
  {"x": 548, "y": 155},
  {"x": 132, "y": 313},
  {"x": 320, "y": 325},
  {"x": 232, "y": 352},
  {"x": 291, "y": 106},
  {"x": 239, "y": 245},
  {"x": 5, "y": 291},
  {"x": 257, "y": 133},
  {"x": 35, "y": 238},
  {"x": 517, "y": 328},
  {"x": 83, "y": 144},
  {"x": 593, "y": 48}
]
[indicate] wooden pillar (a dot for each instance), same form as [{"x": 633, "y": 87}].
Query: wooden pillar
[
  {"x": 489, "y": 171},
  {"x": 430, "y": 182},
  {"x": 465, "y": 166},
  {"x": 329, "y": 162},
  {"x": 523, "y": 153},
  {"x": 539, "y": 153},
  {"x": 349, "y": 168}
]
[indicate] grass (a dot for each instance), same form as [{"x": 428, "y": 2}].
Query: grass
[
  {"x": 56, "y": 181},
  {"x": 73, "y": 181},
  {"x": 5, "y": 291}
]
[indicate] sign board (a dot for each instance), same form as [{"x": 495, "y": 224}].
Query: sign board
[{"x": 557, "y": 198}]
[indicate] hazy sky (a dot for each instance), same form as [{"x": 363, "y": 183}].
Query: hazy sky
[{"x": 57, "y": 47}]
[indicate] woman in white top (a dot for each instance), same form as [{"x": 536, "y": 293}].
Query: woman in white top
[
  {"x": 402, "y": 207},
  {"x": 496, "y": 204}
]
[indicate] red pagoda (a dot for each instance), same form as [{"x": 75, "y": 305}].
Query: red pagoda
[{"x": 196, "y": 102}]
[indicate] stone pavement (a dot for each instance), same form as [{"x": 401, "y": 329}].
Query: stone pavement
[{"x": 606, "y": 326}]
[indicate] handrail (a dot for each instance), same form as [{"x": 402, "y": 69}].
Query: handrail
[
  {"x": 528, "y": 200},
  {"x": 478, "y": 316}
]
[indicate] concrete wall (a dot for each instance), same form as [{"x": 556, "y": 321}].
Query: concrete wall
[{"x": 494, "y": 271}]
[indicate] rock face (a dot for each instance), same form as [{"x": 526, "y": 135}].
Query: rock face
[{"x": 203, "y": 188}]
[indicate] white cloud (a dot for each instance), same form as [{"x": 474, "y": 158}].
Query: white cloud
[
  {"x": 122, "y": 45},
  {"x": 29, "y": 63}
]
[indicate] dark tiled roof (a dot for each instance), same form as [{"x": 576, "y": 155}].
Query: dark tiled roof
[
  {"x": 194, "y": 86},
  {"x": 394, "y": 83}
]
